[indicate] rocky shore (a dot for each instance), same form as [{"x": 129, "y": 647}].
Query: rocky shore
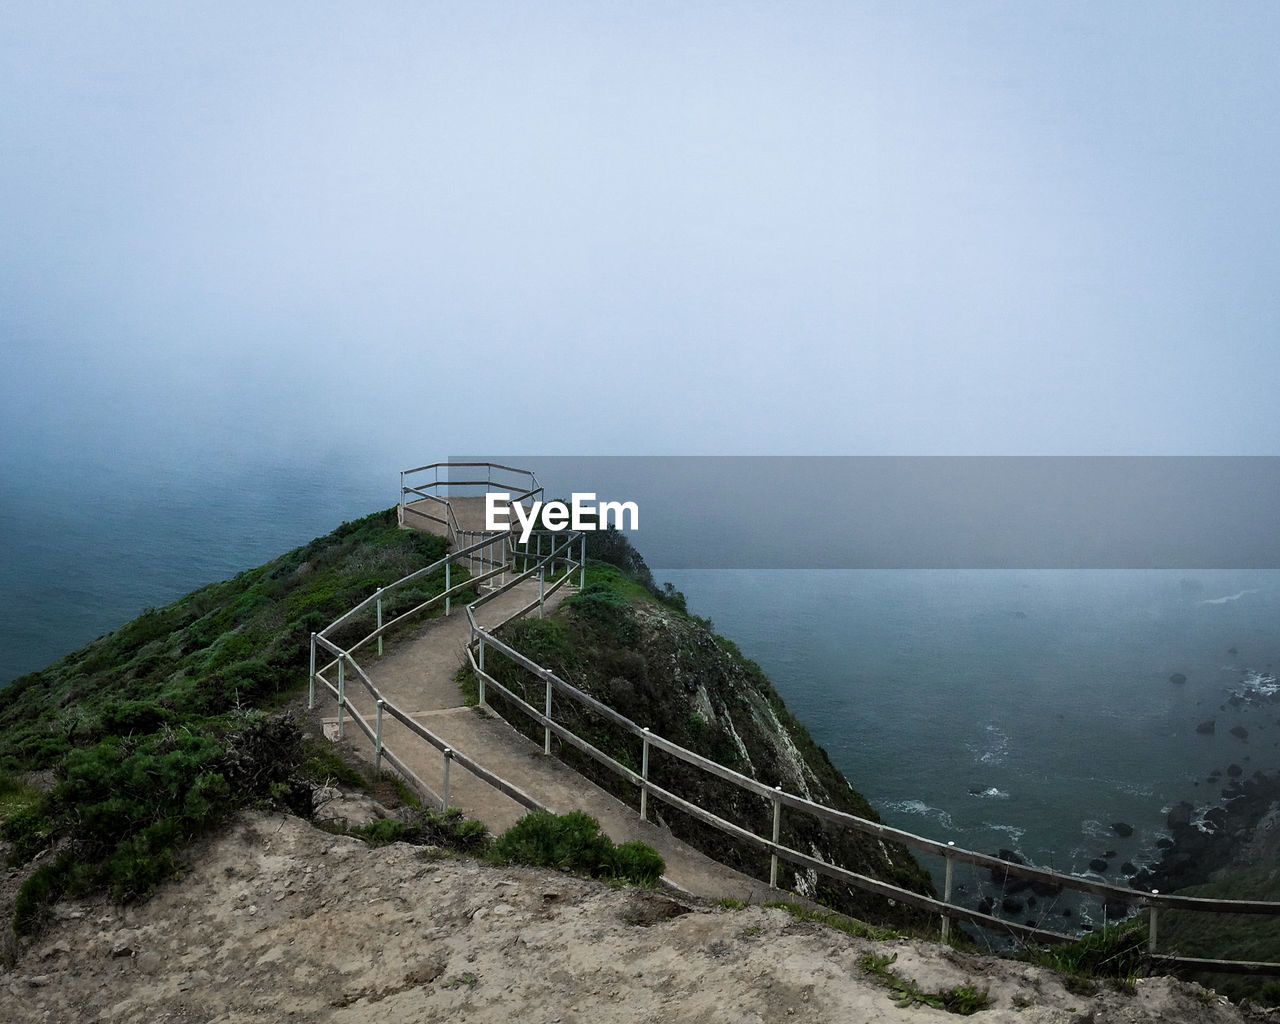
[{"x": 1239, "y": 831}]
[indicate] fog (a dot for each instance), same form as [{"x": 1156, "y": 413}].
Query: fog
[{"x": 371, "y": 235}]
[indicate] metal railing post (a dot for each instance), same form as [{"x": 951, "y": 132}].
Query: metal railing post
[
  {"x": 342, "y": 694},
  {"x": 444, "y": 788},
  {"x": 1151, "y": 932},
  {"x": 582, "y": 565},
  {"x": 311, "y": 688},
  {"x": 379, "y": 622},
  {"x": 377, "y": 743},
  {"x": 546, "y": 729},
  {"x": 644, "y": 774},
  {"x": 777, "y": 831},
  {"x": 480, "y": 662},
  {"x": 542, "y": 586},
  {"x": 447, "y": 599},
  {"x": 946, "y": 897}
]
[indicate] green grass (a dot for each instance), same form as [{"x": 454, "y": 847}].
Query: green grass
[
  {"x": 960, "y": 999},
  {"x": 574, "y": 842},
  {"x": 1117, "y": 954},
  {"x": 1229, "y": 936},
  {"x": 157, "y": 731},
  {"x": 323, "y": 765},
  {"x": 16, "y": 796},
  {"x": 625, "y": 645}
]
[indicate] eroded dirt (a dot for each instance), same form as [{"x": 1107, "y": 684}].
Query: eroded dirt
[{"x": 279, "y": 921}]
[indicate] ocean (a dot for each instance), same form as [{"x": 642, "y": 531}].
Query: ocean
[
  {"x": 89, "y": 548},
  {"x": 1027, "y": 710}
]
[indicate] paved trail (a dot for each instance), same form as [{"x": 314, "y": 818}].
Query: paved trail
[{"x": 417, "y": 675}]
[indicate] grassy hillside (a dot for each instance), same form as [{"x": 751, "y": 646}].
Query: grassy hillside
[
  {"x": 115, "y": 755},
  {"x": 1230, "y": 936},
  {"x": 636, "y": 649}
]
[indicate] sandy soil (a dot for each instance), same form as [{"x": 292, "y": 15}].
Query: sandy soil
[{"x": 279, "y": 921}]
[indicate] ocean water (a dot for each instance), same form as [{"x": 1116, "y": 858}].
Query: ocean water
[
  {"x": 1000, "y": 709},
  {"x": 1027, "y": 710},
  {"x": 88, "y": 549}
]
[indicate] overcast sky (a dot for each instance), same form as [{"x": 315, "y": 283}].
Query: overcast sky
[{"x": 398, "y": 231}]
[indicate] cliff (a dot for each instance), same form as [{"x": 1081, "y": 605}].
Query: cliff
[{"x": 666, "y": 670}]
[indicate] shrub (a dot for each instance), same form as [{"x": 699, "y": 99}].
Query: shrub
[
  {"x": 29, "y": 830},
  {"x": 636, "y": 862},
  {"x": 37, "y": 892},
  {"x": 381, "y": 832},
  {"x": 574, "y": 841}
]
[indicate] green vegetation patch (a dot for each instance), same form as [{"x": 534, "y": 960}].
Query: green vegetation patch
[
  {"x": 149, "y": 731},
  {"x": 1117, "y": 953},
  {"x": 961, "y": 999},
  {"x": 448, "y": 829},
  {"x": 633, "y": 647},
  {"x": 574, "y": 842},
  {"x": 1229, "y": 936},
  {"x": 242, "y": 642},
  {"x": 124, "y": 807}
]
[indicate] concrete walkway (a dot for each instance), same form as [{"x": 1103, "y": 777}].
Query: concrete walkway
[{"x": 417, "y": 675}]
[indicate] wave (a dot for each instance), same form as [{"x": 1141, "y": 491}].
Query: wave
[
  {"x": 990, "y": 793},
  {"x": 995, "y": 750},
  {"x": 1255, "y": 687},
  {"x": 923, "y": 810},
  {"x": 1229, "y": 597},
  {"x": 1012, "y": 831}
]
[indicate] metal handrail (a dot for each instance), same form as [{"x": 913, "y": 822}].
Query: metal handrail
[
  {"x": 1153, "y": 901},
  {"x": 561, "y": 552}
]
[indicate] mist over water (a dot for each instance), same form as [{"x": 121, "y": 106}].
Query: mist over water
[
  {"x": 88, "y": 548},
  {"x": 1020, "y": 709}
]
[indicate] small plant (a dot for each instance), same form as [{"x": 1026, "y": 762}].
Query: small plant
[
  {"x": 1118, "y": 952},
  {"x": 574, "y": 842},
  {"x": 965, "y": 1000},
  {"x": 446, "y": 829},
  {"x": 960, "y": 999},
  {"x": 459, "y": 980},
  {"x": 381, "y": 832},
  {"x": 877, "y": 964},
  {"x": 730, "y": 903},
  {"x": 323, "y": 765}
]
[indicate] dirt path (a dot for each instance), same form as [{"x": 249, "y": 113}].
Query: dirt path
[{"x": 418, "y": 676}]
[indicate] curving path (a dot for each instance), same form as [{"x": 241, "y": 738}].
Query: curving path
[{"x": 418, "y": 676}]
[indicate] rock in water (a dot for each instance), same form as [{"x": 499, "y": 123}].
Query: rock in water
[
  {"x": 1121, "y": 829},
  {"x": 1240, "y": 731},
  {"x": 1177, "y": 677},
  {"x": 1179, "y": 815},
  {"x": 1206, "y": 728},
  {"x": 1098, "y": 864}
]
